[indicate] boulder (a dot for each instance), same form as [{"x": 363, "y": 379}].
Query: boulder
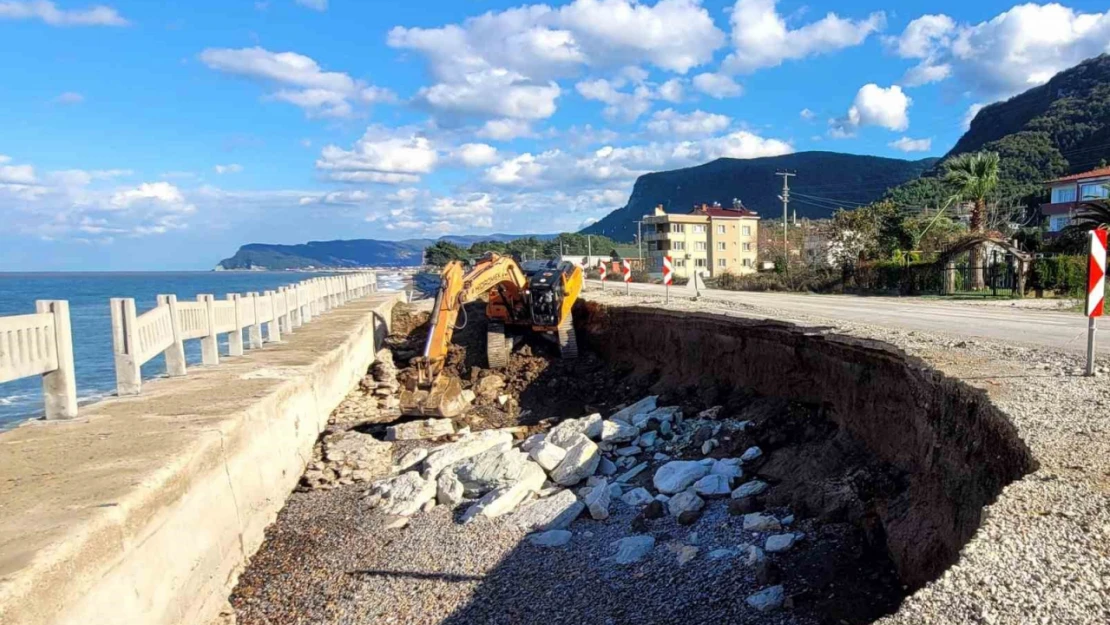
[
  {"x": 711, "y": 413},
  {"x": 505, "y": 499},
  {"x": 470, "y": 445},
  {"x": 606, "y": 467},
  {"x": 597, "y": 502},
  {"x": 708, "y": 446},
  {"x": 712, "y": 486},
  {"x": 393, "y": 522},
  {"x": 628, "y": 413},
  {"x": 490, "y": 387},
  {"x": 419, "y": 430},
  {"x": 562, "y": 434},
  {"x": 685, "y": 501},
  {"x": 412, "y": 458},
  {"x": 683, "y": 553},
  {"x": 637, "y": 497},
  {"x": 767, "y": 599},
  {"x": 553, "y": 512},
  {"x": 618, "y": 432},
  {"x": 527, "y": 444},
  {"x": 405, "y": 494},
  {"x": 356, "y": 450},
  {"x": 580, "y": 462},
  {"x": 654, "y": 510},
  {"x": 647, "y": 440},
  {"x": 547, "y": 455},
  {"x": 632, "y": 549},
  {"x": 689, "y": 517},
  {"x": 751, "y": 454},
  {"x": 666, "y": 415},
  {"x": 723, "y": 554},
  {"x": 449, "y": 490},
  {"x": 550, "y": 538},
  {"x": 625, "y": 477},
  {"x": 742, "y": 506},
  {"x": 750, "y": 489},
  {"x": 678, "y": 475},
  {"x": 779, "y": 543},
  {"x": 491, "y": 469},
  {"x": 755, "y": 556},
  {"x": 758, "y": 522},
  {"x": 728, "y": 467},
  {"x": 631, "y": 450}
]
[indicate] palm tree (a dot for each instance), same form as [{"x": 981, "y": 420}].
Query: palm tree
[{"x": 973, "y": 177}]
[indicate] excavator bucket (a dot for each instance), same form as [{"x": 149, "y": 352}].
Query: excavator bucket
[{"x": 443, "y": 398}]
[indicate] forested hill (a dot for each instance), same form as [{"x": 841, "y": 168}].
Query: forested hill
[
  {"x": 853, "y": 178},
  {"x": 1060, "y": 127}
]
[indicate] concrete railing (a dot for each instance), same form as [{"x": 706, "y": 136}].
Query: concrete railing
[
  {"x": 163, "y": 329},
  {"x": 42, "y": 344}
]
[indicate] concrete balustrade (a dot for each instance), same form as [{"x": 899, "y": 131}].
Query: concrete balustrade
[{"x": 42, "y": 344}]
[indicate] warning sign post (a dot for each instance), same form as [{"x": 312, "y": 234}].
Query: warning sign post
[{"x": 1096, "y": 291}]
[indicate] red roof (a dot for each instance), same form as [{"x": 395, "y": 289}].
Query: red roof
[
  {"x": 1094, "y": 173},
  {"x": 717, "y": 211}
]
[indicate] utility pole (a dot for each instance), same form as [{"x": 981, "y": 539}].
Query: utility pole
[
  {"x": 640, "y": 241},
  {"x": 589, "y": 248},
  {"x": 785, "y": 197}
]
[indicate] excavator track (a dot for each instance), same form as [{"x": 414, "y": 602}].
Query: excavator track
[
  {"x": 568, "y": 341},
  {"x": 498, "y": 346}
]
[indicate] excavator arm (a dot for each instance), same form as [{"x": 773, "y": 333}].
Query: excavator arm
[{"x": 435, "y": 394}]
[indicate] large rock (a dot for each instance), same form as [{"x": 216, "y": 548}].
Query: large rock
[
  {"x": 618, "y": 432},
  {"x": 547, "y": 455},
  {"x": 580, "y": 462},
  {"x": 686, "y": 501},
  {"x": 493, "y": 468},
  {"x": 597, "y": 502},
  {"x": 637, "y": 497},
  {"x": 757, "y": 522},
  {"x": 627, "y": 476},
  {"x": 504, "y": 500},
  {"x": 527, "y": 444},
  {"x": 779, "y": 543},
  {"x": 712, "y": 485},
  {"x": 728, "y": 467},
  {"x": 667, "y": 415},
  {"x": 449, "y": 490},
  {"x": 468, "y": 446},
  {"x": 750, "y": 489},
  {"x": 420, "y": 430},
  {"x": 627, "y": 413},
  {"x": 632, "y": 549},
  {"x": 751, "y": 454},
  {"x": 563, "y": 433},
  {"x": 678, "y": 475},
  {"x": 405, "y": 494},
  {"x": 550, "y": 513},
  {"x": 358, "y": 451},
  {"x": 410, "y": 460},
  {"x": 767, "y": 599},
  {"x": 551, "y": 538},
  {"x": 490, "y": 387}
]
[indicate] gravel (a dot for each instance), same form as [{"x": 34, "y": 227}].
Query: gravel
[{"x": 1042, "y": 554}]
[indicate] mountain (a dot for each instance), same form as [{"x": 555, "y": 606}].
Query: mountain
[
  {"x": 348, "y": 253},
  {"x": 1060, "y": 127},
  {"x": 847, "y": 178}
]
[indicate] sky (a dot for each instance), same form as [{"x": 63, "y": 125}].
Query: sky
[{"x": 162, "y": 135}]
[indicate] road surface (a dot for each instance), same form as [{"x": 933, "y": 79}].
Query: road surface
[{"x": 1062, "y": 330}]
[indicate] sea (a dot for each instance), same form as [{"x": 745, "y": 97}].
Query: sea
[{"x": 88, "y": 295}]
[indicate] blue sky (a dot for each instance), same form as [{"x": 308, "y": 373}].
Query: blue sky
[{"x": 159, "y": 135}]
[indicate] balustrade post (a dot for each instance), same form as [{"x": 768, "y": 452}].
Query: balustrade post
[
  {"x": 124, "y": 346},
  {"x": 254, "y": 335},
  {"x": 175, "y": 353},
  {"x": 210, "y": 343},
  {"x": 235, "y": 339},
  {"x": 59, "y": 387}
]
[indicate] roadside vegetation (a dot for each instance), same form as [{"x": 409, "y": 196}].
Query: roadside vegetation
[{"x": 528, "y": 248}]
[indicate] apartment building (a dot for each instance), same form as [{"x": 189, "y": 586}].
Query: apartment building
[
  {"x": 1069, "y": 191},
  {"x": 709, "y": 240}
]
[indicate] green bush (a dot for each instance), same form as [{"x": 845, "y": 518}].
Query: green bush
[{"x": 1064, "y": 275}]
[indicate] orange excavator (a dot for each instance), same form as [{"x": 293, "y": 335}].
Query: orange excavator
[{"x": 533, "y": 297}]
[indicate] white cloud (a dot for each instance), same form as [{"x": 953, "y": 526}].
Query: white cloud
[
  {"x": 16, "y": 174},
  {"x": 807, "y": 114},
  {"x": 671, "y": 91},
  {"x": 874, "y": 106},
  {"x": 628, "y": 106},
  {"x": 49, "y": 13},
  {"x": 232, "y": 168},
  {"x": 162, "y": 193},
  {"x": 69, "y": 97},
  {"x": 717, "y": 85},
  {"x": 906, "y": 144},
  {"x": 300, "y": 79},
  {"x": 1017, "y": 49},
  {"x": 316, "y": 5},
  {"x": 504, "y": 129},
  {"x": 493, "y": 93},
  {"x": 391, "y": 156},
  {"x": 696, "y": 124},
  {"x": 761, "y": 38},
  {"x": 475, "y": 154},
  {"x": 970, "y": 114}
]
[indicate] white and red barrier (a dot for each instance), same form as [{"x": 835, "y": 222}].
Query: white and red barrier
[
  {"x": 1096, "y": 290},
  {"x": 626, "y": 268},
  {"x": 668, "y": 275},
  {"x": 601, "y": 272}
]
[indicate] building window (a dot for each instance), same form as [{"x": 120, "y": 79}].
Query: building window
[
  {"x": 747, "y": 262},
  {"x": 1063, "y": 194},
  {"x": 747, "y": 231},
  {"x": 678, "y": 228},
  {"x": 720, "y": 229},
  {"x": 678, "y": 245},
  {"x": 699, "y": 246},
  {"x": 747, "y": 247},
  {"x": 1057, "y": 223},
  {"x": 678, "y": 262},
  {"x": 700, "y": 262},
  {"x": 1096, "y": 191},
  {"x": 720, "y": 246},
  {"x": 699, "y": 229},
  {"x": 721, "y": 262}
]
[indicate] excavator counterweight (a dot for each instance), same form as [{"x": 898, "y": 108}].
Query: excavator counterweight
[{"x": 518, "y": 299}]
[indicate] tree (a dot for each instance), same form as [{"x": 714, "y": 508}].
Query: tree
[
  {"x": 443, "y": 252},
  {"x": 973, "y": 178}
]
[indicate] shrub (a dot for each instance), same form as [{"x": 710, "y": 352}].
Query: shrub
[{"x": 1064, "y": 275}]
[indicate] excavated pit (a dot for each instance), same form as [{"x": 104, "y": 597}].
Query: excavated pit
[{"x": 886, "y": 464}]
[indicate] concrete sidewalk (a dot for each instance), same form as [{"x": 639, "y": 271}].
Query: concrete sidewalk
[{"x": 144, "y": 509}]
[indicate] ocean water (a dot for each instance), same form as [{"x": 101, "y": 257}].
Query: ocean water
[{"x": 88, "y": 295}]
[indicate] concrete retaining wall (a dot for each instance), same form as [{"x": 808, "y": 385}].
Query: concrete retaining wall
[{"x": 145, "y": 510}]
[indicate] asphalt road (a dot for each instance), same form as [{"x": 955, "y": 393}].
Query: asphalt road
[{"x": 1062, "y": 330}]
